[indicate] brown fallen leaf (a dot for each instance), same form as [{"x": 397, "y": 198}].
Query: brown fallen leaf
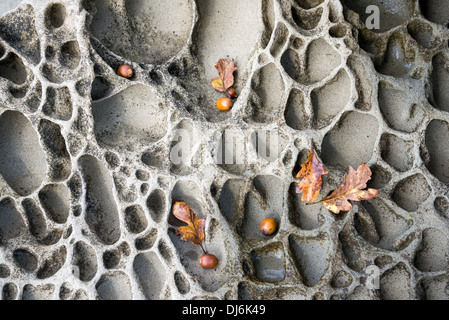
[
  {"x": 310, "y": 173},
  {"x": 350, "y": 189},
  {"x": 225, "y": 79},
  {"x": 194, "y": 230}
]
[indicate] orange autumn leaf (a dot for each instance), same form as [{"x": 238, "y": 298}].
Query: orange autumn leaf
[
  {"x": 350, "y": 189},
  {"x": 225, "y": 79},
  {"x": 194, "y": 230},
  {"x": 310, "y": 173}
]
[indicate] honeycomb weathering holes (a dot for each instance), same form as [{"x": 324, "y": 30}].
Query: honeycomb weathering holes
[{"x": 86, "y": 183}]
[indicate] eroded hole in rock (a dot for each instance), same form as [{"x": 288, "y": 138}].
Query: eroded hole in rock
[
  {"x": 266, "y": 200},
  {"x": 230, "y": 154},
  {"x": 351, "y": 141},
  {"x": 165, "y": 251},
  {"x": 361, "y": 70},
  {"x": 189, "y": 192},
  {"x": 398, "y": 109},
  {"x": 155, "y": 157},
  {"x": 433, "y": 251},
  {"x": 100, "y": 88},
  {"x": 296, "y": 114},
  {"x": 411, "y": 192},
  {"x": 395, "y": 283},
  {"x": 22, "y": 161},
  {"x": 13, "y": 69},
  {"x": 38, "y": 292},
  {"x": 146, "y": 241},
  {"x": 396, "y": 152},
  {"x": 269, "y": 263},
  {"x": 440, "y": 83},
  {"x": 399, "y": 58},
  {"x": 280, "y": 37},
  {"x": 338, "y": 31},
  {"x": 51, "y": 73},
  {"x": 268, "y": 144},
  {"x": 392, "y": 12},
  {"x": 181, "y": 147},
  {"x": 135, "y": 219},
  {"x": 55, "y": 16},
  {"x": 231, "y": 201},
  {"x": 436, "y": 142},
  {"x": 268, "y": 18},
  {"x": 36, "y": 220},
  {"x": 156, "y": 204},
  {"x": 319, "y": 60},
  {"x": 129, "y": 119},
  {"x": 25, "y": 259},
  {"x": 85, "y": 261},
  {"x": 101, "y": 211},
  {"x": 114, "y": 286},
  {"x": 301, "y": 215},
  {"x": 268, "y": 87},
  {"x": 310, "y": 256},
  {"x": 435, "y": 288},
  {"x": 10, "y": 291},
  {"x": 111, "y": 258},
  {"x": 422, "y": 33},
  {"x": 341, "y": 279},
  {"x": 150, "y": 274},
  {"x": 442, "y": 206},
  {"x": 70, "y": 54},
  {"x": 55, "y": 198},
  {"x": 436, "y": 11},
  {"x": 379, "y": 177},
  {"x": 182, "y": 283},
  {"x": 351, "y": 248},
  {"x": 330, "y": 99},
  {"x": 381, "y": 226},
  {"x": 239, "y": 39},
  {"x": 306, "y": 19}
]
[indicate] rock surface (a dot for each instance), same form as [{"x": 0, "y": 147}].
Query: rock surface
[{"x": 86, "y": 181}]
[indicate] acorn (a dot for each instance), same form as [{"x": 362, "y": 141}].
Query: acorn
[
  {"x": 125, "y": 71},
  {"x": 208, "y": 261},
  {"x": 268, "y": 226},
  {"x": 232, "y": 93},
  {"x": 224, "y": 104}
]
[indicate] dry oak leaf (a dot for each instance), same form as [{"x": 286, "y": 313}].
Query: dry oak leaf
[
  {"x": 310, "y": 173},
  {"x": 351, "y": 189},
  {"x": 194, "y": 230},
  {"x": 225, "y": 79}
]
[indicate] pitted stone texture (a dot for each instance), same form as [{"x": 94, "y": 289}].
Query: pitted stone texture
[{"x": 87, "y": 179}]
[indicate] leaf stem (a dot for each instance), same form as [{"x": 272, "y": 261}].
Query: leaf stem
[
  {"x": 196, "y": 231},
  {"x": 226, "y": 92}
]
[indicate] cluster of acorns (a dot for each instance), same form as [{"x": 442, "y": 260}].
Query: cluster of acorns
[{"x": 225, "y": 103}]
